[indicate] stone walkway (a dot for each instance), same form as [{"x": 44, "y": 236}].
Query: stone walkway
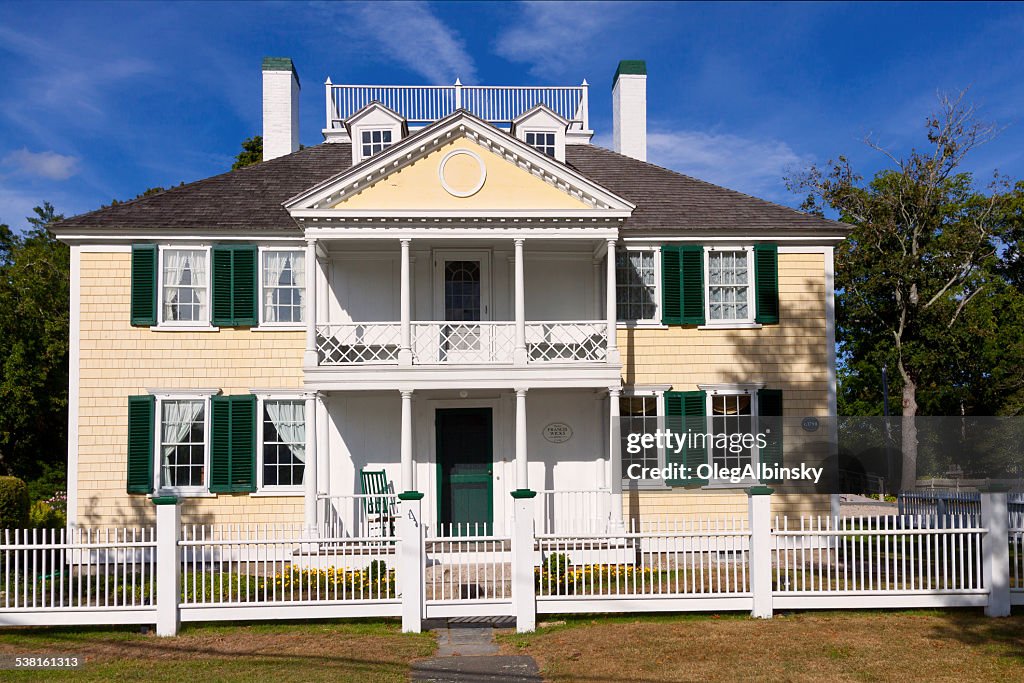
[{"x": 467, "y": 653}]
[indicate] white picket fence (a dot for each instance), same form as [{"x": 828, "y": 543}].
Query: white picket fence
[{"x": 174, "y": 572}]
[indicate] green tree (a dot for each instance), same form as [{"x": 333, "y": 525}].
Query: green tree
[
  {"x": 252, "y": 153},
  {"x": 34, "y": 310},
  {"x": 923, "y": 249}
]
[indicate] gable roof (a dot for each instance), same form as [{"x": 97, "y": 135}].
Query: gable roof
[
  {"x": 461, "y": 123},
  {"x": 251, "y": 199}
]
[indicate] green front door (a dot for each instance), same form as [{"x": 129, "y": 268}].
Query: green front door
[{"x": 465, "y": 464}]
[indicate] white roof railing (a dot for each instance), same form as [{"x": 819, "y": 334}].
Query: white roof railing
[{"x": 421, "y": 105}]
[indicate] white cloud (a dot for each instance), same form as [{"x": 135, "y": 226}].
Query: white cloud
[
  {"x": 48, "y": 164},
  {"x": 555, "y": 36},
  {"x": 749, "y": 165},
  {"x": 408, "y": 34}
]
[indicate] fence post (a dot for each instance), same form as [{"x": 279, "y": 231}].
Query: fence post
[
  {"x": 995, "y": 550},
  {"x": 168, "y": 565},
  {"x": 524, "y": 597},
  {"x": 759, "y": 505},
  {"x": 410, "y": 559}
]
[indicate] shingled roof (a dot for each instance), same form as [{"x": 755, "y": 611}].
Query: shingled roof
[{"x": 250, "y": 198}]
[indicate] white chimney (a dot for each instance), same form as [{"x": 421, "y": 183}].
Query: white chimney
[
  {"x": 280, "y": 107},
  {"x": 629, "y": 109}
]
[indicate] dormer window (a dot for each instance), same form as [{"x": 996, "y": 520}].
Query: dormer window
[
  {"x": 374, "y": 141},
  {"x": 542, "y": 142}
]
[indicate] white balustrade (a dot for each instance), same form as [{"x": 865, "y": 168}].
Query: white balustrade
[{"x": 424, "y": 104}]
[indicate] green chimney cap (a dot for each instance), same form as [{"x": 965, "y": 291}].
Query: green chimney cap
[
  {"x": 630, "y": 66},
  {"x": 280, "y": 64}
]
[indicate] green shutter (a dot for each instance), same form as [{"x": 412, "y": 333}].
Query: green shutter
[
  {"x": 691, "y": 277},
  {"x": 685, "y": 413},
  {"x": 141, "y": 426},
  {"x": 222, "y": 286},
  {"x": 243, "y": 443},
  {"x": 144, "y": 265},
  {"x": 766, "y": 283},
  {"x": 671, "y": 291},
  {"x": 244, "y": 297},
  {"x": 234, "y": 285},
  {"x": 769, "y": 411},
  {"x": 232, "y": 444}
]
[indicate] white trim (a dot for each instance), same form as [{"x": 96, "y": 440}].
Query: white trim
[
  {"x": 830, "y": 334},
  {"x": 185, "y": 325},
  {"x": 104, "y": 248},
  {"x": 114, "y": 240},
  {"x": 263, "y": 325},
  {"x": 462, "y": 194},
  {"x": 797, "y": 249},
  {"x": 730, "y": 389},
  {"x": 510, "y": 214},
  {"x": 277, "y": 395},
  {"x": 717, "y": 236},
  {"x": 74, "y": 382},
  {"x": 731, "y": 326},
  {"x": 515, "y": 228},
  {"x": 203, "y": 395},
  {"x": 621, "y": 325},
  {"x": 483, "y": 256},
  {"x": 751, "y": 295},
  {"x": 658, "y": 392},
  {"x": 654, "y": 322}
]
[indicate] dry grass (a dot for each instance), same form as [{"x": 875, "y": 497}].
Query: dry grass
[
  {"x": 835, "y": 646},
  {"x": 353, "y": 651}
]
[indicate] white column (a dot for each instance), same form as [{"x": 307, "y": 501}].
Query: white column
[
  {"x": 613, "y": 349},
  {"x": 405, "y": 304},
  {"x": 310, "y": 475},
  {"x": 311, "y": 358},
  {"x": 759, "y": 511},
  {"x": 615, "y": 457},
  {"x": 522, "y": 468},
  {"x": 408, "y": 479},
  {"x": 168, "y": 566},
  {"x": 520, "y": 357},
  {"x": 995, "y": 551}
]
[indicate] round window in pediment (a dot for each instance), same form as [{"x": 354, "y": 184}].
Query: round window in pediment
[{"x": 462, "y": 173}]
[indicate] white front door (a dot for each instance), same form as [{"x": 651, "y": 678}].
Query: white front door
[{"x": 462, "y": 304}]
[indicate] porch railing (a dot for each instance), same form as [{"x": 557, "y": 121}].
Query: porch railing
[
  {"x": 463, "y": 343},
  {"x": 574, "y": 511},
  {"x": 358, "y": 515},
  {"x": 424, "y": 104}
]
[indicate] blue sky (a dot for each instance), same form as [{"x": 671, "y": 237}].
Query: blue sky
[{"x": 102, "y": 100}]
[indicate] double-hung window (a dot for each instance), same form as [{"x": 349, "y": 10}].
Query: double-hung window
[
  {"x": 182, "y": 447},
  {"x": 637, "y": 274},
  {"x": 729, "y": 281},
  {"x": 374, "y": 141},
  {"x": 542, "y": 141},
  {"x": 639, "y": 414},
  {"x": 283, "y": 438},
  {"x": 185, "y": 286},
  {"x": 283, "y": 278},
  {"x": 731, "y": 419}
]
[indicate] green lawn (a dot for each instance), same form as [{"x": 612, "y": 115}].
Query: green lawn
[
  {"x": 953, "y": 645},
  {"x": 341, "y": 651}
]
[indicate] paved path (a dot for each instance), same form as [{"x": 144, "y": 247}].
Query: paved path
[{"x": 467, "y": 653}]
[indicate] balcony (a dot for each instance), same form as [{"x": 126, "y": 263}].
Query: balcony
[
  {"x": 462, "y": 343},
  {"x": 421, "y": 105}
]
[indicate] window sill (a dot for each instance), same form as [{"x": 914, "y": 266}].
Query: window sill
[
  {"x": 183, "y": 494},
  {"x": 279, "y": 328},
  {"x": 640, "y": 326},
  {"x": 184, "y": 328},
  {"x": 270, "y": 493},
  {"x": 645, "y": 485},
  {"x": 731, "y": 326},
  {"x": 728, "y": 485}
]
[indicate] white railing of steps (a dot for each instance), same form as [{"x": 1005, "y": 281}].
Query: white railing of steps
[
  {"x": 423, "y": 104},
  {"x": 462, "y": 343}
]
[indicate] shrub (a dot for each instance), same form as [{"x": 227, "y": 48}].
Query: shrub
[
  {"x": 13, "y": 503},
  {"x": 43, "y": 515}
]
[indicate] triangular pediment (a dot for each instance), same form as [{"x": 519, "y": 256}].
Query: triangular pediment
[{"x": 460, "y": 165}]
